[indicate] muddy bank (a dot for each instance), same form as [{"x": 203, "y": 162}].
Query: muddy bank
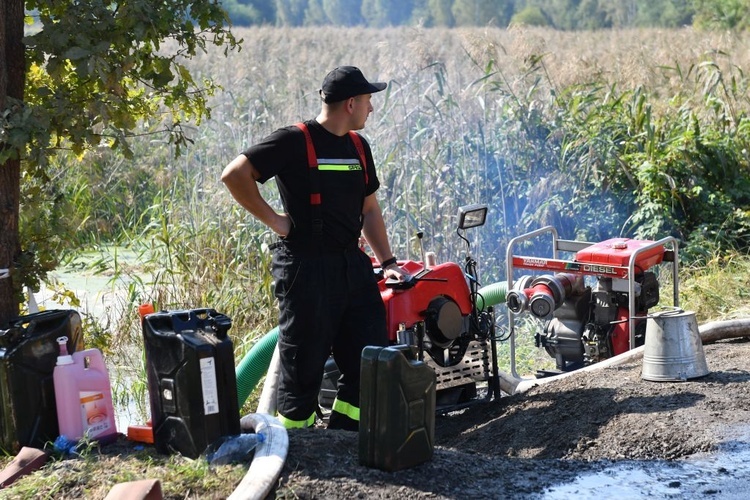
[{"x": 520, "y": 446}]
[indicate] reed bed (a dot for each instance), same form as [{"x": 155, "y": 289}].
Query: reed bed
[{"x": 593, "y": 132}]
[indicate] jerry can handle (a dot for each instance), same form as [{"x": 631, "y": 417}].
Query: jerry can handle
[
  {"x": 220, "y": 323},
  {"x": 184, "y": 320},
  {"x": 408, "y": 351},
  {"x": 202, "y": 319}
]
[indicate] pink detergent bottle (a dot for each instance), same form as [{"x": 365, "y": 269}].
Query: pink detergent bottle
[{"x": 83, "y": 395}]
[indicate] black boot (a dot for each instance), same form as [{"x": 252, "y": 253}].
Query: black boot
[{"x": 340, "y": 421}]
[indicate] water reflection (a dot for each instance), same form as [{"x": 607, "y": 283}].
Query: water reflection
[{"x": 720, "y": 475}]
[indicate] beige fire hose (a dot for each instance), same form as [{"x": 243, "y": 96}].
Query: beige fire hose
[
  {"x": 269, "y": 458},
  {"x": 267, "y": 401},
  {"x": 726, "y": 329},
  {"x": 270, "y": 455},
  {"x": 709, "y": 332}
]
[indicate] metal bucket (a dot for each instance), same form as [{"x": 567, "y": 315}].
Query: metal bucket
[{"x": 673, "y": 349}]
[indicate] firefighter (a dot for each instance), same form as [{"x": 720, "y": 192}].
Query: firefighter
[{"x": 329, "y": 302}]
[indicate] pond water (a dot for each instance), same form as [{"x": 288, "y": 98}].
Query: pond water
[
  {"x": 94, "y": 292},
  {"x": 102, "y": 297},
  {"x": 720, "y": 475}
]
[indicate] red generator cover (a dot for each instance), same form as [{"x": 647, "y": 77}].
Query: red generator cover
[
  {"x": 617, "y": 252},
  {"x": 408, "y": 305}
]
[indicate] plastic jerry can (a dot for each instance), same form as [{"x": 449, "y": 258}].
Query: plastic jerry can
[
  {"x": 28, "y": 352},
  {"x": 192, "y": 383},
  {"x": 83, "y": 395},
  {"x": 397, "y": 409}
]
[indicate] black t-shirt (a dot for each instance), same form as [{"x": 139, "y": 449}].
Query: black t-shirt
[{"x": 283, "y": 155}]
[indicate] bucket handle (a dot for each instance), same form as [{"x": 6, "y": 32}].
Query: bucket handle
[{"x": 666, "y": 311}]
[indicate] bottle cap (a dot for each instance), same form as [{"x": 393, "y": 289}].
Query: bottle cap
[
  {"x": 64, "y": 358},
  {"x": 145, "y": 309}
]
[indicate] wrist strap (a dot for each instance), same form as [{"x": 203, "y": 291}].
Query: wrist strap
[{"x": 388, "y": 262}]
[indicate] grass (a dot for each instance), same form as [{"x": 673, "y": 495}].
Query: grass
[
  {"x": 719, "y": 289},
  {"x": 97, "y": 470},
  {"x": 546, "y": 127}
]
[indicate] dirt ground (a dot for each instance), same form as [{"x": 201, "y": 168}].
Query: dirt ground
[{"x": 518, "y": 446}]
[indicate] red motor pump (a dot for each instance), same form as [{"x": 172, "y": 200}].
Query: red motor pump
[
  {"x": 434, "y": 311},
  {"x": 439, "y": 297},
  {"x": 590, "y": 307}
]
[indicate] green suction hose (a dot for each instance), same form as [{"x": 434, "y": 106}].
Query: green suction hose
[
  {"x": 255, "y": 364},
  {"x": 491, "y": 295}
]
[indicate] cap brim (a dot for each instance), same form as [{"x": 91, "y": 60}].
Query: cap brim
[{"x": 378, "y": 86}]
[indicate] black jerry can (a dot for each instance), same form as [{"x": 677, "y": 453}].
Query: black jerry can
[
  {"x": 192, "y": 382},
  {"x": 28, "y": 354}
]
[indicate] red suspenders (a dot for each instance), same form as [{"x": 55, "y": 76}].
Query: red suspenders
[
  {"x": 357, "y": 140},
  {"x": 312, "y": 161}
]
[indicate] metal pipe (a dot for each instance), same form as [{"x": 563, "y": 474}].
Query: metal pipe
[
  {"x": 631, "y": 281},
  {"x": 509, "y": 281}
]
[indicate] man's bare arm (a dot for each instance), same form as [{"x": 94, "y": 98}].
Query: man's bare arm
[{"x": 240, "y": 177}]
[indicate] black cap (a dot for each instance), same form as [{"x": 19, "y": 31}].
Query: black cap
[{"x": 345, "y": 82}]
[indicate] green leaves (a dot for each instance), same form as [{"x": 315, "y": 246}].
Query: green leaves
[
  {"x": 95, "y": 69},
  {"x": 101, "y": 68}
]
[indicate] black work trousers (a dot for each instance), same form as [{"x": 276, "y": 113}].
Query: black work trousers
[{"x": 329, "y": 303}]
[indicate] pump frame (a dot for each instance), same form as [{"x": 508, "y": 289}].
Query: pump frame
[{"x": 514, "y": 262}]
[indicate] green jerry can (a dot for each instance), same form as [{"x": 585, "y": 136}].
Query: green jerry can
[
  {"x": 28, "y": 354},
  {"x": 397, "y": 409}
]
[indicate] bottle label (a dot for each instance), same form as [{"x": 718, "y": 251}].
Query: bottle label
[
  {"x": 208, "y": 382},
  {"x": 94, "y": 414}
]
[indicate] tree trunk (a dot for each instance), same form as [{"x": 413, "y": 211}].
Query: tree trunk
[{"x": 12, "y": 78}]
